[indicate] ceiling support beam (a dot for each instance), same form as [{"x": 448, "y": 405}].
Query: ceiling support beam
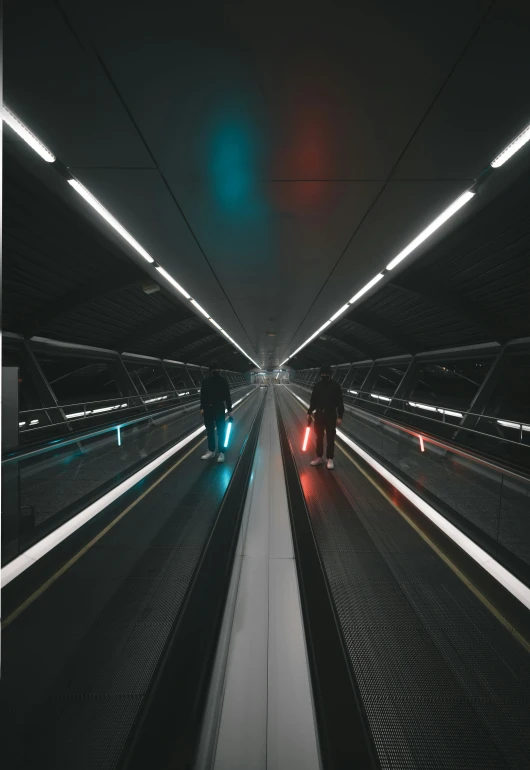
[
  {"x": 179, "y": 347},
  {"x": 354, "y": 343},
  {"x": 435, "y": 290},
  {"x": 69, "y": 302},
  {"x": 155, "y": 326},
  {"x": 376, "y": 323}
]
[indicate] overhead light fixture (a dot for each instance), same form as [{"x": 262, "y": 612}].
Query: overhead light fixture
[
  {"x": 381, "y": 398},
  {"x": 517, "y": 425},
  {"x": 366, "y": 288},
  {"x": 339, "y": 312},
  {"x": 172, "y": 281},
  {"x": 430, "y": 229},
  {"x": 519, "y": 141},
  {"x": 107, "y": 216},
  {"x": 215, "y": 324},
  {"x": 28, "y": 136},
  {"x": 200, "y": 309}
]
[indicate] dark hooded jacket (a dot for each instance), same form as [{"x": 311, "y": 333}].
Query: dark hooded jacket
[
  {"x": 216, "y": 392},
  {"x": 327, "y": 397}
]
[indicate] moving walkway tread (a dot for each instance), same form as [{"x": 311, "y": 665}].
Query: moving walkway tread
[
  {"x": 443, "y": 682},
  {"x": 79, "y": 660}
]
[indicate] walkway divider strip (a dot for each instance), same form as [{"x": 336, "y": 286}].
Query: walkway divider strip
[{"x": 344, "y": 733}]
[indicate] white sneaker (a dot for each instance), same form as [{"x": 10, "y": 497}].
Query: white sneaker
[
  {"x": 318, "y": 461},
  {"x": 331, "y": 465},
  {"x": 208, "y": 455},
  {"x": 221, "y": 458}
]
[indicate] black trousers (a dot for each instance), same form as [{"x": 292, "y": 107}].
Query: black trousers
[
  {"x": 214, "y": 417},
  {"x": 326, "y": 421}
]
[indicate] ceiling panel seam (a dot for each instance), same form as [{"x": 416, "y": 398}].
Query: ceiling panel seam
[
  {"x": 162, "y": 176},
  {"x": 400, "y": 156}
]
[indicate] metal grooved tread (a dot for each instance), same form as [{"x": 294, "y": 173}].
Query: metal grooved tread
[
  {"x": 78, "y": 662},
  {"x": 444, "y": 684}
]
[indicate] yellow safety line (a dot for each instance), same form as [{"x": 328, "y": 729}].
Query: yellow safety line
[
  {"x": 494, "y": 611},
  {"x": 25, "y": 604}
]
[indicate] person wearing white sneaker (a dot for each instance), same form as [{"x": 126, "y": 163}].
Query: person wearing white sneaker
[
  {"x": 208, "y": 455},
  {"x": 328, "y": 408},
  {"x": 220, "y": 457}
]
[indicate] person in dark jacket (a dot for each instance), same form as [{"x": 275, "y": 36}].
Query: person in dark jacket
[
  {"x": 215, "y": 393},
  {"x": 328, "y": 408}
]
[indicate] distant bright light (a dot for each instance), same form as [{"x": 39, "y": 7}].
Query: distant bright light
[
  {"x": 21, "y": 424},
  {"x": 517, "y": 425},
  {"x": 366, "y": 288},
  {"x": 355, "y": 392},
  {"x": 107, "y": 216},
  {"x": 423, "y": 406},
  {"x": 428, "y": 408},
  {"x": 519, "y": 141},
  {"x": 28, "y": 136},
  {"x": 430, "y": 229},
  {"x": 34, "y": 422},
  {"x": 381, "y": 398},
  {"x": 200, "y": 309}
]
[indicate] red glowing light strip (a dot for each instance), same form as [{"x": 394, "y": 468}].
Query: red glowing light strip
[
  {"x": 421, "y": 444},
  {"x": 306, "y": 438}
]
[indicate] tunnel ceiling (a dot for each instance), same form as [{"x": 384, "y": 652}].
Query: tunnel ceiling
[{"x": 271, "y": 162}]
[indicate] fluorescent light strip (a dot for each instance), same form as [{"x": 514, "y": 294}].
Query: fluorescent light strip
[
  {"x": 355, "y": 392},
  {"x": 366, "y": 288},
  {"x": 435, "y": 224},
  {"x": 215, "y": 324},
  {"x": 339, "y": 312},
  {"x": 172, "y": 281},
  {"x": 519, "y": 141},
  {"x": 500, "y": 573},
  {"x": 517, "y": 425},
  {"x": 107, "y": 216},
  {"x": 28, "y": 136},
  {"x": 429, "y": 408},
  {"x": 430, "y": 229},
  {"x": 32, "y": 555},
  {"x": 381, "y": 398},
  {"x": 199, "y": 308}
]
